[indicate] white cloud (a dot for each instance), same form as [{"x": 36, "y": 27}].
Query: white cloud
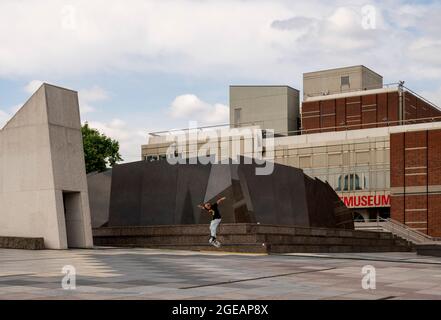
[
  {"x": 95, "y": 93},
  {"x": 265, "y": 41},
  {"x": 191, "y": 108},
  {"x": 433, "y": 96},
  {"x": 86, "y": 108},
  {"x": 4, "y": 117},
  {"x": 261, "y": 40},
  {"x": 88, "y": 96},
  {"x": 32, "y": 86},
  {"x": 7, "y": 113},
  {"x": 426, "y": 50},
  {"x": 130, "y": 139},
  {"x": 110, "y": 35},
  {"x": 15, "y": 108}
]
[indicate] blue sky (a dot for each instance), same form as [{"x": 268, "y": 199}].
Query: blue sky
[{"x": 143, "y": 66}]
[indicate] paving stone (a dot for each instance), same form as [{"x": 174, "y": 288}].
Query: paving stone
[{"x": 163, "y": 274}]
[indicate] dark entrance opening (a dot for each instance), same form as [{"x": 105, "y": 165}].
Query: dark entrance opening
[{"x": 74, "y": 219}]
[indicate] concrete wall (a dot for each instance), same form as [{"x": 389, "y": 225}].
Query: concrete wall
[
  {"x": 322, "y": 82},
  {"x": 270, "y": 107},
  {"x": 41, "y": 168}
]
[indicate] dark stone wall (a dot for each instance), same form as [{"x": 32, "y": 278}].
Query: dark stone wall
[
  {"x": 157, "y": 193},
  {"x": 278, "y": 198}
]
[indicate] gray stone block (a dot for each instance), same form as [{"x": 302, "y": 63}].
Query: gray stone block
[{"x": 22, "y": 243}]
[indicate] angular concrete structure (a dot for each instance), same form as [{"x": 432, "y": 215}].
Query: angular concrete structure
[{"x": 43, "y": 185}]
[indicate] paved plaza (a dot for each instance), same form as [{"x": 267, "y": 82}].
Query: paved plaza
[{"x": 111, "y": 273}]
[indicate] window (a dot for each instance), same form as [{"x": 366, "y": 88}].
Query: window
[
  {"x": 151, "y": 158},
  {"x": 349, "y": 182},
  {"x": 237, "y": 116},
  {"x": 345, "y": 81}
]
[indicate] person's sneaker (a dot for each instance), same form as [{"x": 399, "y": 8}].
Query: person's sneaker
[
  {"x": 211, "y": 240},
  {"x": 217, "y": 244}
]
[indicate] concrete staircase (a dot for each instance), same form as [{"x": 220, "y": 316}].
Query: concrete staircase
[
  {"x": 398, "y": 229},
  {"x": 251, "y": 238}
]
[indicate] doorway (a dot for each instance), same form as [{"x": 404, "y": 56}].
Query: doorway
[{"x": 73, "y": 215}]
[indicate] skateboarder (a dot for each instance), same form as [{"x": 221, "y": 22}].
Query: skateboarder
[{"x": 216, "y": 219}]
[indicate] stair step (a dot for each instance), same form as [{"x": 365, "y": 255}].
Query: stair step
[
  {"x": 273, "y": 239},
  {"x": 245, "y": 229},
  {"x": 238, "y": 247},
  {"x": 250, "y": 237}
]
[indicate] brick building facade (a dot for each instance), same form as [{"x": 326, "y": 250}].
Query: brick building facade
[
  {"x": 365, "y": 109},
  {"x": 415, "y": 162}
]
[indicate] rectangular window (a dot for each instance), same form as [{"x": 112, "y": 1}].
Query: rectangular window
[
  {"x": 345, "y": 81},
  {"x": 237, "y": 116},
  {"x": 151, "y": 158}
]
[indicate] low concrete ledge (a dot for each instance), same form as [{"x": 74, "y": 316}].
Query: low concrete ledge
[
  {"x": 429, "y": 250},
  {"x": 235, "y": 228},
  {"x": 21, "y": 243},
  {"x": 246, "y": 236}
]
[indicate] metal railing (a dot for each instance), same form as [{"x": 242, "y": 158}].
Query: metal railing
[
  {"x": 350, "y": 90},
  {"x": 397, "y": 228},
  {"x": 433, "y": 105},
  {"x": 399, "y": 85},
  {"x": 370, "y": 125},
  {"x": 348, "y": 127}
]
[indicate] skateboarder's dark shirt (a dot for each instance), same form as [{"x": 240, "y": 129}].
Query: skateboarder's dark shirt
[{"x": 215, "y": 213}]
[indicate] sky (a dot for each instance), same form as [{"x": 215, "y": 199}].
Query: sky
[{"x": 141, "y": 66}]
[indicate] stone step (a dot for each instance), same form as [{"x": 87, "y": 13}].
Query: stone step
[
  {"x": 271, "y": 249},
  {"x": 242, "y": 228},
  {"x": 251, "y": 238},
  {"x": 429, "y": 249},
  {"x": 335, "y": 249},
  {"x": 240, "y": 247}
]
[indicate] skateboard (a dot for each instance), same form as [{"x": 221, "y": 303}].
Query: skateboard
[{"x": 215, "y": 243}]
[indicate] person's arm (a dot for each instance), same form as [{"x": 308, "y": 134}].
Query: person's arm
[{"x": 220, "y": 200}]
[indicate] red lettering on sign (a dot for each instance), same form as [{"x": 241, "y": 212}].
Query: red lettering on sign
[
  {"x": 366, "y": 201},
  {"x": 385, "y": 200}
]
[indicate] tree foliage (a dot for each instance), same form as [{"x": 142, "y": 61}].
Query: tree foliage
[{"x": 100, "y": 151}]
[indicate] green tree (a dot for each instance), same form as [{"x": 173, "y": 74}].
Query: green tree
[{"x": 100, "y": 151}]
